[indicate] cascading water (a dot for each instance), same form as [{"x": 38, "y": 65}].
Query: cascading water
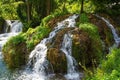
[
  {"x": 72, "y": 73},
  {"x": 115, "y": 35},
  {"x": 37, "y": 66},
  {"x": 15, "y": 26},
  {"x": 15, "y": 29}
]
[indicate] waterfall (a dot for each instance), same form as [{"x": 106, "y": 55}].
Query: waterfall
[
  {"x": 37, "y": 65},
  {"x": 13, "y": 26},
  {"x": 115, "y": 35},
  {"x": 72, "y": 73},
  {"x": 15, "y": 29}
]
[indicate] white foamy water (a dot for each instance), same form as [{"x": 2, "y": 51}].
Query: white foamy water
[
  {"x": 14, "y": 26},
  {"x": 72, "y": 73}
]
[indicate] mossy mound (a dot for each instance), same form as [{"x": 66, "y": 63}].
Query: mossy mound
[
  {"x": 2, "y": 22},
  {"x": 94, "y": 47},
  {"x": 15, "y": 54},
  {"x": 55, "y": 56},
  {"x": 57, "y": 59},
  {"x": 104, "y": 32},
  {"x": 87, "y": 48},
  {"x": 81, "y": 43}
]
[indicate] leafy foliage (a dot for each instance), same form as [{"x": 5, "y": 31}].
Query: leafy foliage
[
  {"x": 8, "y": 11},
  {"x": 84, "y": 18},
  {"x": 110, "y": 68}
]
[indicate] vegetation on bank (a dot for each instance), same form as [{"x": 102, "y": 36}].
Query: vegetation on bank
[
  {"x": 91, "y": 40},
  {"x": 109, "y": 69}
]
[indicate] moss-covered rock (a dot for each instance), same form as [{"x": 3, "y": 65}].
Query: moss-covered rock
[
  {"x": 58, "y": 60},
  {"x": 104, "y": 32},
  {"x": 81, "y": 43},
  {"x": 55, "y": 56},
  {"x": 53, "y": 22},
  {"x": 2, "y": 22},
  {"x": 87, "y": 48},
  {"x": 15, "y": 52}
]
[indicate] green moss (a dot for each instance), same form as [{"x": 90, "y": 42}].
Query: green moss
[
  {"x": 58, "y": 60},
  {"x": 13, "y": 50},
  {"x": 87, "y": 47},
  {"x": 34, "y": 36},
  {"x": 104, "y": 32},
  {"x": 92, "y": 30},
  {"x": 55, "y": 56},
  {"x": 84, "y": 18}
]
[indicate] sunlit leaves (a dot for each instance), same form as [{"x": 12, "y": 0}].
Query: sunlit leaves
[{"x": 8, "y": 9}]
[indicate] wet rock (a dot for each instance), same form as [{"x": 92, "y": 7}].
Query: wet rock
[
  {"x": 86, "y": 50},
  {"x": 55, "y": 56},
  {"x": 53, "y": 22},
  {"x": 58, "y": 77},
  {"x": 58, "y": 60}
]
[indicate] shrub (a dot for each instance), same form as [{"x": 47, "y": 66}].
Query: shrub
[
  {"x": 110, "y": 68},
  {"x": 83, "y": 18}
]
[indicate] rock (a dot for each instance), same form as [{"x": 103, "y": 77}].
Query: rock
[
  {"x": 104, "y": 32},
  {"x": 86, "y": 49},
  {"x": 58, "y": 77},
  {"x": 15, "y": 53},
  {"x": 55, "y": 56},
  {"x": 58, "y": 60},
  {"x": 81, "y": 43},
  {"x": 53, "y": 22},
  {"x": 2, "y": 22}
]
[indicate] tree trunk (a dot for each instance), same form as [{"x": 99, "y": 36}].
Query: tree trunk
[
  {"x": 82, "y": 4},
  {"x": 28, "y": 10},
  {"x": 48, "y": 7}
]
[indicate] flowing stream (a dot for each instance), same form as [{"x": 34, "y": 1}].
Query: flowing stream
[
  {"x": 37, "y": 68},
  {"x": 15, "y": 27}
]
